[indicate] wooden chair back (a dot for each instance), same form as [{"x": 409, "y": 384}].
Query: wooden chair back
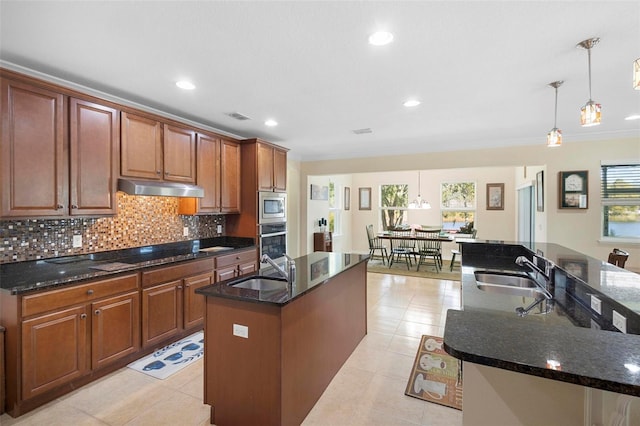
[{"x": 618, "y": 257}]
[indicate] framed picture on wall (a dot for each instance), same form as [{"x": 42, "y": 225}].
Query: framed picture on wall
[
  {"x": 495, "y": 196},
  {"x": 364, "y": 198},
  {"x": 573, "y": 189},
  {"x": 347, "y": 198},
  {"x": 319, "y": 192},
  {"x": 540, "y": 191}
]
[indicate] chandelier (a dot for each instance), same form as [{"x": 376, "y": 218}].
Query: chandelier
[{"x": 419, "y": 203}]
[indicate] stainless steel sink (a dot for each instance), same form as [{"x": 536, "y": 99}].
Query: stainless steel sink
[
  {"x": 260, "y": 283},
  {"x": 512, "y": 284}
]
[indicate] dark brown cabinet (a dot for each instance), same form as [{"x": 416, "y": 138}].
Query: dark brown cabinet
[
  {"x": 32, "y": 151},
  {"x": 179, "y": 154},
  {"x": 236, "y": 265},
  {"x": 230, "y": 174},
  {"x": 322, "y": 241},
  {"x": 271, "y": 167},
  {"x": 161, "y": 312},
  {"x": 94, "y": 155},
  {"x": 194, "y": 303}
]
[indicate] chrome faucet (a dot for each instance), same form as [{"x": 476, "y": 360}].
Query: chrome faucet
[
  {"x": 547, "y": 273},
  {"x": 289, "y": 274}
]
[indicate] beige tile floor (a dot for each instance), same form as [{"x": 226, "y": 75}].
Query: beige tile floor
[{"x": 368, "y": 390}]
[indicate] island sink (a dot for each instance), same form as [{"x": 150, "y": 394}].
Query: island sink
[
  {"x": 513, "y": 284},
  {"x": 260, "y": 283}
]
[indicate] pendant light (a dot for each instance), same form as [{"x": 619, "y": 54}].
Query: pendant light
[
  {"x": 636, "y": 74},
  {"x": 554, "y": 137},
  {"x": 418, "y": 203},
  {"x": 590, "y": 113}
]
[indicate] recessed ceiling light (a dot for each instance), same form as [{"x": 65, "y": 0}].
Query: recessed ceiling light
[
  {"x": 633, "y": 117},
  {"x": 186, "y": 85},
  {"x": 380, "y": 38},
  {"x": 411, "y": 103},
  {"x": 271, "y": 123}
]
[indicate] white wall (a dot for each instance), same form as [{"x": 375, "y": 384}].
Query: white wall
[{"x": 579, "y": 230}]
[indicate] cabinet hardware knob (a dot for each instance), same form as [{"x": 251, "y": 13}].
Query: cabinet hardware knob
[
  {"x": 166, "y": 173},
  {"x": 89, "y": 292},
  {"x": 179, "y": 287},
  {"x": 83, "y": 316},
  {"x": 97, "y": 312},
  {"x": 73, "y": 206},
  {"x": 59, "y": 206},
  {"x": 158, "y": 172}
]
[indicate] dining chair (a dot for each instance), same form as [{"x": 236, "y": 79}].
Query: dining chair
[
  {"x": 429, "y": 248},
  {"x": 376, "y": 244},
  {"x": 401, "y": 248},
  {"x": 458, "y": 251},
  {"x": 618, "y": 257}
]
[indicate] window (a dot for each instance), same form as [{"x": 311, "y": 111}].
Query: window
[
  {"x": 458, "y": 204},
  {"x": 394, "y": 200},
  {"x": 620, "y": 200},
  {"x": 335, "y": 209}
]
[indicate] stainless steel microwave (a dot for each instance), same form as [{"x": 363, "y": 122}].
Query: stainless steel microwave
[{"x": 272, "y": 207}]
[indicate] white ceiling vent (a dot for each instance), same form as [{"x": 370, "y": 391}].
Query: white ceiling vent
[
  {"x": 362, "y": 131},
  {"x": 238, "y": 116}
]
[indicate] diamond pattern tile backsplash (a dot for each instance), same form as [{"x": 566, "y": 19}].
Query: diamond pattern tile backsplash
[{"x": 140, "y": 221}]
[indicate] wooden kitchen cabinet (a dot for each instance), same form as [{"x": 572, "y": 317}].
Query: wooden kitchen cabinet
[
  {"x": 271, "y": 167},
  {"x": 179, "y": 154},
  {"x": 70, "y": 332},
  {"x": 218, "y": 172},
  {"x": 236, "y": 265},
  {"x": 322, "y": 241},
  {"x": 33, "y": 155},
  {"x": 94, "y": 156},
  {"x": 169, "y": 303}
]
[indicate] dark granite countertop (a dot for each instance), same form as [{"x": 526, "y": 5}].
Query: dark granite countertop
[
  {"x": 22, "y": 277},
  {"x": 563, "y": 339},
  {"x": 312, "y": 271}
]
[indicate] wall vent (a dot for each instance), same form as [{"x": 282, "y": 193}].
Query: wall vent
[
  {"x": 362, "y": 131},
  {"x": 238, "y": 116}
]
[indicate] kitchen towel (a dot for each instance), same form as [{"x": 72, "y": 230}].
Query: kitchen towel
[
  {"x": 172, "y": 358},
  {"x": 435, "y": 376}
]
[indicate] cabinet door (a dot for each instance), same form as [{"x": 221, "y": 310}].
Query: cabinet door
[
  {"x": 279, "y": 170},
  {"x": 179, "y": 154},
  {"x": 115, "y": 328},
  {"x": 141, "y": 147},
  {"x": 161, "y": 312},
  {"x": 95, "y": 153},
  {"x": 34, "y": 176},
  {"x": 265, "y": 167},
  {"x": 230, "y": 177},
  {"x": 194, "y": 303},
  {"x": 208, "y": 173},
  {"x": 247, "y": 268},
  {"x": 226, "y": 273},
  {"x": 54, "y": 350}
]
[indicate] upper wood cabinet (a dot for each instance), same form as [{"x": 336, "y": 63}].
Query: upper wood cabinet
[
  {"x": 218, "y": 172},
  {"x": 153, "y": 150},
  {"x": 94, "y": 155},
  {"x": 32, "y": 151},
  {"x": 271, "y": 167}
]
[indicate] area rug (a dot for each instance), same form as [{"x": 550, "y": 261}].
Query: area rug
[
  {"x": 172, "y": 358},
  {"x": 435, "y": 376},
  {"x": 426, "y": 271}
]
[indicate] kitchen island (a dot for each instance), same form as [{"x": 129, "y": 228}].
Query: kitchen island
[
  {"x": 558, "y": 361},
  {"x": 269, "y": 355}
]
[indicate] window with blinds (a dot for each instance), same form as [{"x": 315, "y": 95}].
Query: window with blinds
[{"x": 620, "y": 191}]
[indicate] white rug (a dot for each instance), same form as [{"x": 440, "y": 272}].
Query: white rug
[{"x": 172, "y": 358}]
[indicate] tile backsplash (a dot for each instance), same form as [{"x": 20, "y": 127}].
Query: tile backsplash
[{"x": 140, "y": 221}]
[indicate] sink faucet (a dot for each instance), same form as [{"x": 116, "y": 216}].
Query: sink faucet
[
  {"x": 547, "y": 274},
  {"x": 289, "y": 274}
]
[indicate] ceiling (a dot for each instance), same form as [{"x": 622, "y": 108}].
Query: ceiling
[{"x": 481, "y": 69}]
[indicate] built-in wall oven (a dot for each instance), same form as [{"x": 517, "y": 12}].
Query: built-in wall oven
[{"x": 273, "y": 241}]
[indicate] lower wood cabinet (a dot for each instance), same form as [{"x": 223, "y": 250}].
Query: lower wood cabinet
[{"x": 236, "y": 265}]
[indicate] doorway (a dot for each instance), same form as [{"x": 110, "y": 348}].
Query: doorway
[{"x": 526, "y": 214}]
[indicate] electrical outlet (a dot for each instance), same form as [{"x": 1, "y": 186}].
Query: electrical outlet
[
  {"x": 596, "y": 304},
  {"x": 219, "y": 229},
  {"x": 77, "y": 241},
  {"x": 185, "y": 231},
  {"x": 619, "y": 322},
  {"x": 241, "y": 331}
]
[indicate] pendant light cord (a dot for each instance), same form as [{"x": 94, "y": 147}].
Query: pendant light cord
[
  {"x": 589, "y": 58},
  {"x": 555, "y": 112}
]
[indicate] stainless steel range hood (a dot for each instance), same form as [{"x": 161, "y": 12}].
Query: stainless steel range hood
[{"x": 162, "y": 189}]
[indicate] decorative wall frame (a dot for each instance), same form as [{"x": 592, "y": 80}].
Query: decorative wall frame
[
  {"x": 347, "y": 198},
  {"x": 319, "y": 192},
  {"x": 540, "y": 191},
  {"x": 573, "y": 189},
  {"x": 495, "y": 196},
  {"x": 364, "y": 198}
]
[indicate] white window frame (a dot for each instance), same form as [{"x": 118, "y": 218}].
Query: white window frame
[
  {"x": 336, "y": 209},
  {"x": 404, "y": 209},
  {"x": 604, "y": 202},
  {"x": 473, "y": 209}
]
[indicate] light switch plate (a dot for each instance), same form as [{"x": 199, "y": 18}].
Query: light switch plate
[
  {"x": 619, "y": 322},
  {"x": 596, "y": 304},
  {"x": 219, "y": 229},
  {"x": 241, "y": 331},
  {"x": 185, "y": 231},
  {"x": 77, "y": 241}
]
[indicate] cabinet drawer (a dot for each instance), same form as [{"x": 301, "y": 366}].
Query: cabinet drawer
[
  {"x": 236, "y": 258},
  {"x": 55, "y": 299},
  {"x": 169, "y": 273}
]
